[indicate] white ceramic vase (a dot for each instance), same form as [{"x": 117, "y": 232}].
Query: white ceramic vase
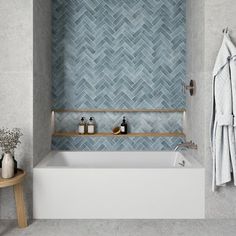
[{"x": 7, "y": 166}]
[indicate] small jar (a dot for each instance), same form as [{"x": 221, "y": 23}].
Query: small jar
[
  {"x": 91, "y": 126},
  {"x": 82, "y": 126}
]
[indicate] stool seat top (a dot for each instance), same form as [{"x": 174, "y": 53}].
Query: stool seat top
[{"x": 19, "y": 176}]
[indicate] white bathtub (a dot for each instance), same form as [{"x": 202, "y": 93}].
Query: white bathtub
[{"x": 118, "y": 185}]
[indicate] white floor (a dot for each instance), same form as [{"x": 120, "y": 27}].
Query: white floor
[{"x": 121, "y": 228}]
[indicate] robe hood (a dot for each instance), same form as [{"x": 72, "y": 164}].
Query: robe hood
[{"x": 229, "y": 50}]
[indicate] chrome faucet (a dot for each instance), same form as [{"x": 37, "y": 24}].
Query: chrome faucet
[{"x": 189, "y": 145}]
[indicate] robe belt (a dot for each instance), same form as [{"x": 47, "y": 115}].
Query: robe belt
[{"x": 226, "y": 120}]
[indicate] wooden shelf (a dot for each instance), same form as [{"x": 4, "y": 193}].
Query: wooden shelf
[
  {"x": 74, "y": 134},
  {"x": 118, "y": 110}
]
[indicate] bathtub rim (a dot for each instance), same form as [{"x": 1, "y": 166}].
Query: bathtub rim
[{"x": 186, "y": 154}]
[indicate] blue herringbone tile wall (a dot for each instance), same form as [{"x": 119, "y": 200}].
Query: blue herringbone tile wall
[
  {"x": 116, "y": 143},
  {"x": 118, "y": 53}
]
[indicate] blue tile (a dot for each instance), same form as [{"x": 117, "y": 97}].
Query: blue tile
[
  {"x": 115, "y": 143},
  {"x": 118, "y": 54}
]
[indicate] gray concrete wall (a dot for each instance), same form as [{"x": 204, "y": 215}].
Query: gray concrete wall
[
  {"x": 16, "y": 89},
  {"x": 205, "y": 21},
  {"x": 25, "y": 86},
  {"x": 194, "y": 126},
  {"x": 42, "y": 78},
  {"x": 218, "y": 15}
]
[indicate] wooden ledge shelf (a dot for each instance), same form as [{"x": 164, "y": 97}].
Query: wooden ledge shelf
[
  {"x": 74, "y": 134},
  {"x": 169, "y": 110}
]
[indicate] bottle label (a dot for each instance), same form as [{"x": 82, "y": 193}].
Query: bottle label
[
  {"x": 122, "y": 128},
  {"x": 91, "y": 129},
  {"x": 81, "y": 129}
]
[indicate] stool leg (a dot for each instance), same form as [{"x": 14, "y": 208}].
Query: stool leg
[{"x": 20, "y": 206}]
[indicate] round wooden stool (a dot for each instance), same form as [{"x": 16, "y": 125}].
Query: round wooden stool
[{"x": 19, "y": 198}]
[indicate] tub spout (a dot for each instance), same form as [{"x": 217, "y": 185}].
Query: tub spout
[{"x": 188, "y": 145}]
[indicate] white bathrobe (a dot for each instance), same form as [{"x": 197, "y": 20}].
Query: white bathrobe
[{"x": 223, "y": 123}]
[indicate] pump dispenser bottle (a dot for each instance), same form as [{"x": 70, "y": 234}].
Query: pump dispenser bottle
[
  {"x": 91, "y": 126},
  {"x": 82, "y": 126}
]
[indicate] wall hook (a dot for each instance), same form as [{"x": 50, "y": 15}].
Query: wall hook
[{"x": 226, "y": 30}]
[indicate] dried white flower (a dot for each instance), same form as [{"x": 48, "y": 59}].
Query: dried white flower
[{"x": 9, "y": 139}]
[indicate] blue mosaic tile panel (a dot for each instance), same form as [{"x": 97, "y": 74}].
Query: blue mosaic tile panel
[
  {"x": 137, "y": 122},
  {"x": 118, "y": 54},
  {"x": 115, "y": 143}
]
